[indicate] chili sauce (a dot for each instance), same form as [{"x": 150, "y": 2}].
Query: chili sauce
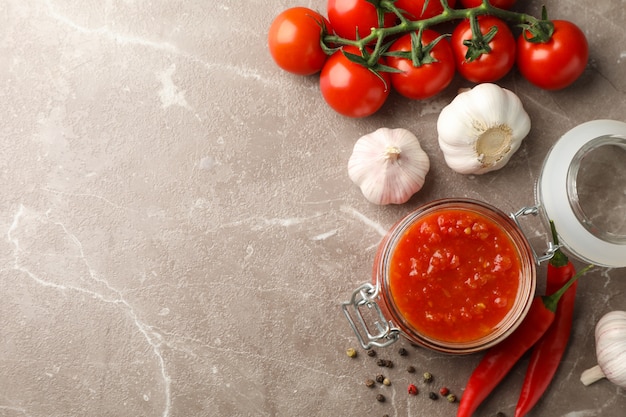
[{"x": 454, "y": 275}]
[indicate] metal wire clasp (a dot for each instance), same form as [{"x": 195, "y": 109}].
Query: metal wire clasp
[
  {"x": 534, "y": 210},
  {"x": 365, "y": 296}
]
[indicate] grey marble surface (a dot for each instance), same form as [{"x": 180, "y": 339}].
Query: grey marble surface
[{"x": 179, "y": 229}]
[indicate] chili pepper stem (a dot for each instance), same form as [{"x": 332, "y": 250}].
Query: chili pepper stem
[
  {"x": 551, "y": 301},
  {"x": 558, "y": 259}
]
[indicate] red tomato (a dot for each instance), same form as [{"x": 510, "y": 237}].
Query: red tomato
[
  {"x": 414, "y": 9},
  {"x": 491, "y": 66},
  {"x": 294, "y": 40},
  {"x": 427, "y": 79},
  {"x": 556, "y": 63},
  {"x": 346, "y": 16},
  {"x": 352, "y": 89},
  {"x": 501, "y": 4}
]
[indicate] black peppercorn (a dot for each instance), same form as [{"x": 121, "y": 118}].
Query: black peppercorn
[
  {"x": 403, "y": 352},
  {"x": 432, "y": 396},
  {"x": 371, "y": 353},
  {"x": 380, "y": 398},
  {"x": 369, "y": 383},
  {"x": 428, "y": 377},
  {"x": 384, "y": 362},
  {"x": 380, "y": 378},
  {"x": 410, "y": 369}
]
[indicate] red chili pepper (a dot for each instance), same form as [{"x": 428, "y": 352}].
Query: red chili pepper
[
  {"x": 547, "y": 353},
  {"x": 499, "y": 360}
]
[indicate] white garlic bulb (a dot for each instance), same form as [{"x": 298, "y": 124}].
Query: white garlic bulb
[
  {"x": 481, "y": 129},
  {"x": 610, "y": 336},
  {"x": 389, "y": 166}
]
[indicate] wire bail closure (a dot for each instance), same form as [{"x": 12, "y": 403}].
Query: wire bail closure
[
  {"x": 533, "y": 211},
  {"x": 365, "y": 296}
]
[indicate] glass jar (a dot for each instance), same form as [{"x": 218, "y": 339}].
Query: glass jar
[
  {"x": 426, "y": 298},
  {"x": 591, "y": 220}
]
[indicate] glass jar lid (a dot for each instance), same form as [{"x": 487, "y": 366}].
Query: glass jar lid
[{"x": 582, "y": 189}]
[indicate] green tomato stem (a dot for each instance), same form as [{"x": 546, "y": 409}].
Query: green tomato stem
[{"x": 378, "y": 35}]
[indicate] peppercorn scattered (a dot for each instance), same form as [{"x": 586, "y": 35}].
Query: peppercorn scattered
[
  {"x": 443, "y": 391},
  {"x": 384, "y": 362}
]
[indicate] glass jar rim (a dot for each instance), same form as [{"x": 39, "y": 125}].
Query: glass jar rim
[{"x": 526, "y": 288}]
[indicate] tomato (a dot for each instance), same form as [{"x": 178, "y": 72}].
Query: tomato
[
  {"x": 501, "y": 4},
  {"x": 414, "y": 9},
  {"x": 556, "y": 63},
  {"x": 346, "y": 16},
  {"x": 294, "y": 40},
  {"x": 352, "y": 89},
  {"x": 488, "y": 67},
  {"x": 427, "y": 79}
]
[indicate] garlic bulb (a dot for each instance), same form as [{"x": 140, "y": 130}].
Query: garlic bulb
[
  {"x": 610, "y": 350},
  {"x": 481, "y": 129},
  {"x": 389, "y": 166}
]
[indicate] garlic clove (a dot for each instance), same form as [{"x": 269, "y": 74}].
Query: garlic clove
[
  {"x": 388, "y": 165},
  {"x": 481, "y": 129}
]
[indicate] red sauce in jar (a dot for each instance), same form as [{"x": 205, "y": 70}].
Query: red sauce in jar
[{"x": 454, "y": 275}]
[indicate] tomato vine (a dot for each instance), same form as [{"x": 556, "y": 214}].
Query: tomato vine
[{"x": 539, "y": 29}]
